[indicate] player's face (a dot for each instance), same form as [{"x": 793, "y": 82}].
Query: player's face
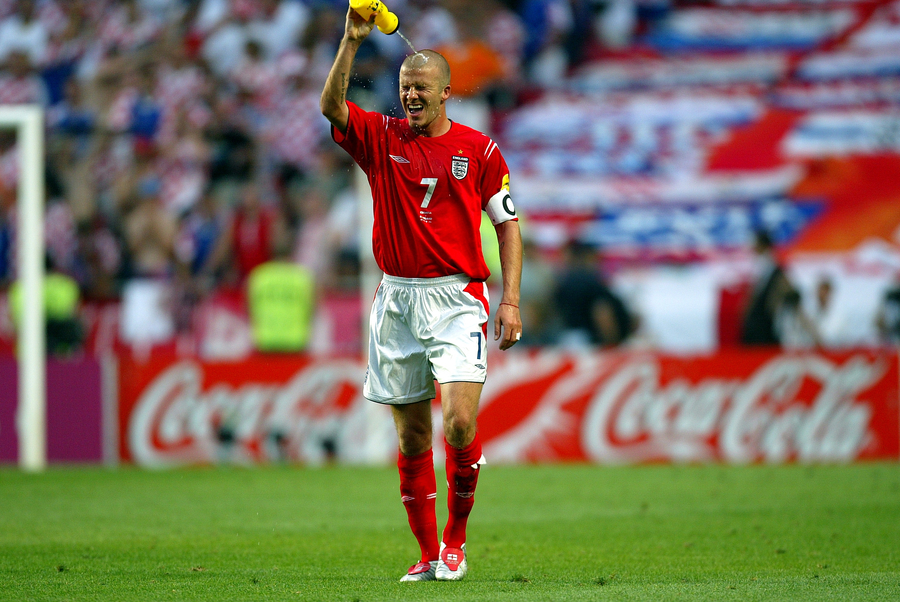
[{"x": 422, "y": 95}]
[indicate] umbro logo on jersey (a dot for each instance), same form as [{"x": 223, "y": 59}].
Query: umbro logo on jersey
[
  {"x": 399, "y": 159},
  {"x": 459, "y": 167}
]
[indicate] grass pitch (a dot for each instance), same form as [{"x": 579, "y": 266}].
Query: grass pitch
[{"x": 537, "y": 533}]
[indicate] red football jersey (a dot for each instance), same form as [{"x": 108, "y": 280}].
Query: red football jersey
[{"x": 428, "y": 193}]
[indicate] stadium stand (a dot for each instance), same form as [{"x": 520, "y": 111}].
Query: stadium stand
[{"x": 665, "y": 134}]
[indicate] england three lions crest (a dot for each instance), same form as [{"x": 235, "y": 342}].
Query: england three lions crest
[{"x": 459, "y": 167}]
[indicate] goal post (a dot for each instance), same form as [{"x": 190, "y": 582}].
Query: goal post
[{"x": 31, "y": 414}]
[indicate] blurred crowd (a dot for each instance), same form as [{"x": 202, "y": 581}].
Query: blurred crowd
[
  {"x": 185, "y": 147},
  {"x": 184, "y": 141}
]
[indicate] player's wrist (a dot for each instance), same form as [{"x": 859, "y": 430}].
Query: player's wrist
[{"x": 353, "y": 41}]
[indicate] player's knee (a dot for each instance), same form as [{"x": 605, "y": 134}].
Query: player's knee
[
  {"x": 413, "y": 440},
  {"x": 459, "y": 429}
]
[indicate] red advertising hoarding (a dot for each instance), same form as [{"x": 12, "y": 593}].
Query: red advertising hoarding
[
  {"x": 739, "y": 406},
  {"x": 185, "y": 411},
  {"x": 542, "y": 406}
]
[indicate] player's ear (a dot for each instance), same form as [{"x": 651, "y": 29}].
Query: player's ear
[{"x": 445, "y": 93}]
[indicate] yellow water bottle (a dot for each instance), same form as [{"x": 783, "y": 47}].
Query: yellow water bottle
[{"x": 386, "y": 21}]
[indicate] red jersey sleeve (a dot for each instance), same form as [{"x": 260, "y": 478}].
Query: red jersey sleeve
[
  {"x": 361, "y": 133},
  {"x": 496, "y": 199},
  {"x": 495, "y": 175}
]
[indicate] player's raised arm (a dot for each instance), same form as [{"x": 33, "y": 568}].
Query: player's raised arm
[
  {"x": 334, "y": 97},
  {"x": 508, "y": 322}
]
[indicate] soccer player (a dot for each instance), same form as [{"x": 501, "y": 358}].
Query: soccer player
[{"x": 430, "y": 179}]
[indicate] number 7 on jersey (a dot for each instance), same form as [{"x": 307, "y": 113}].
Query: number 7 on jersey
[{"x": 431, "y": 183}]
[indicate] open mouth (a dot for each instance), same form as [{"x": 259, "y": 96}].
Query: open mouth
[{"x": 415, "y": 109}]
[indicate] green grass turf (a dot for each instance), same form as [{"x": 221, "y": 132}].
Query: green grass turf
[{"x": 537, "y": 533}]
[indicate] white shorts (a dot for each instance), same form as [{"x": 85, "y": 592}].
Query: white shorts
[{"x": 422, "y": 330}]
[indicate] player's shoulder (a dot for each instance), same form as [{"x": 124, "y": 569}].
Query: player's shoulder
[
  {"x": 475, "y": 139},
  {"x": 375, "y": 117}
]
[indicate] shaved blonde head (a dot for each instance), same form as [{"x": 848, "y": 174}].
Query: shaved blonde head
[{"x": 429, "y": 58}]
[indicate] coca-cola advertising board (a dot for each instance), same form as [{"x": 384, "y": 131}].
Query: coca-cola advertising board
[
  {"x": 539, "y": 406},
  {"x": 296, "y": 408}
]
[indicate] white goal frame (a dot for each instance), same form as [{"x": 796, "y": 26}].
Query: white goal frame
[{"x": 31, "y": 414}]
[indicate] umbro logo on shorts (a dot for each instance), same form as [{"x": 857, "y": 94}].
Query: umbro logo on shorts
[{"x": 399, "y": 159}]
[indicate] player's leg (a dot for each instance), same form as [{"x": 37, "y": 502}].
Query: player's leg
[
  {"x": 451, "y": 323},
  {"x": 460, "y": 410},
  {"x": 418, "y": 488},
  {"x": 398, "y": 374}
]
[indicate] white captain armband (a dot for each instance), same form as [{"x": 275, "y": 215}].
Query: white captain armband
[{"x": 500, "y": 208}]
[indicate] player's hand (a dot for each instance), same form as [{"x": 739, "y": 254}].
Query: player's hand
[
  {"x": 508, "y": 324},
  {"x": 358, "y": 29}
]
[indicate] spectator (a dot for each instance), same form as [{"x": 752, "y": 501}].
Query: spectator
[
  {"x": 829, "y": 320},
  {"x": 128, "y": 28},
  {"x": 435, "y": 26},
  {"x": 60, "y": 233},
  {"x": 616, "y": 23},
  {"x": 150, "y": 233},
  {"x": 98, "y": 260},
  {"x": 74, "y": 120},
  {"x": 293, "y": 136},
  {"x": 19, "y": 84},
  {"x": 146, "y": 112},
  {"x": 256, "y": 77},
  {"x": 888, "y": 317},
  {"x": 769, "y": 290},
  {"x": 547, "y": 23},
  {"x": 184, "y": 163},
  {"x": 281, "y": 299},
  {"x": 64, "y": 330},
  {"x": 135, "y": 110},
  {"x": 70, "y": 38},
  {"x": 182, "y": 83},
  {"x": 210, "y": 15},
  {"x": 233, "y": 148},
  {"x": 202, "y": 242},
  {"x": 252, "y": 233},
  {"x": 476, "y": 67},
  {"x": 278, "y": 26},
  {"x": 223, "y": 49},
  {"x": 591, "y": 313},
  {"x": 794, "y": 328},
  {"x": 316, "y": 240},
  {"x": 108, "y": 167},
  {"x": 24, "y": 33},
  {"x": 536, "y": 304},
  {"x": 506, "y": 36}
]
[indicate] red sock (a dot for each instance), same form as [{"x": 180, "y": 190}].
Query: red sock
[
  {"x": 418, "y": 491},
  {"x": 461, "y": 481}
]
